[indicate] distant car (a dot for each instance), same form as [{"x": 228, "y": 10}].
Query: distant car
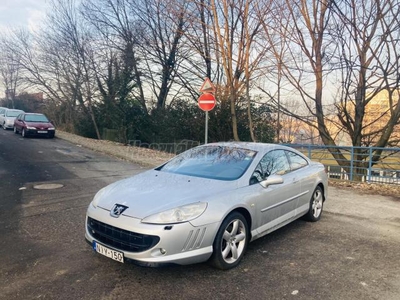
[
  {"x": 207, "y": 203},
  {"x": 33, "y": 124},
  {"x": 7, "y": 117},
  {"x": 2, "y": 110}
]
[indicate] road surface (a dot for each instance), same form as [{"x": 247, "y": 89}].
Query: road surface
[{"x": 353, "y": 252}]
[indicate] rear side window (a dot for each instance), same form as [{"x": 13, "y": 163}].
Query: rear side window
[
  {"x": 274, "y": 162},
  {"x": 12, "y": 113},
  {"x": 296, "y": 161}
]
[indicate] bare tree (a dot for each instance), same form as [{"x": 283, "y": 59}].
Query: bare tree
[
  {"x": 276, "y": 33},
  {"x": 235, "y": 30},
  {"x": 367, "y": 34},
  {"x": 117, "y": 29},
  {"x": 164, "y": 25},
  {"x": 10, "y": 70},
  {"x": 70, "y": 44},
  {"x": 358, "y": 38},
  {"x": 56, "y": 61}
]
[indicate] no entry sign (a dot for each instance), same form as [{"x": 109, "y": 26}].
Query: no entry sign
[{"x": 206, "y": 101}]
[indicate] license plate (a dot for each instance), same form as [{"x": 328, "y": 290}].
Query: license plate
[
  {"x": 115, "y": 255},
  {"x": 42, "y": 131}
]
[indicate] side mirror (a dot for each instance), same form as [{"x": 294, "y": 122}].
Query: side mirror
[{"x": 272, "y": 180}]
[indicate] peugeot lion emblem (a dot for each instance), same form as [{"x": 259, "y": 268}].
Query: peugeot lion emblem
[{"x": 117, "y": 210}]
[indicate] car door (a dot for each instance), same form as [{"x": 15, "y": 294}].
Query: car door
[
  {"x": 301, "y": 170},
  {"x": 276, "y": 204},
  {"x": 17, "y": 122}
]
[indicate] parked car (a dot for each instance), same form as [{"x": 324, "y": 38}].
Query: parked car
[
  {"x": 207, "y": 203},
  {"x": 33, "y": 124},
  {"x": 7, "y": 117},
  {"x": 2, "y": 110}
]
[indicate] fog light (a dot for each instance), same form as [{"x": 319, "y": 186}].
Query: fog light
[{"x": 163, "y": 251}]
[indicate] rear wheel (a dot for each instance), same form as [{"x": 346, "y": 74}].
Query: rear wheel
[
  {"x": 316, "y": 205},
  {"x": 230, "y": 242}
]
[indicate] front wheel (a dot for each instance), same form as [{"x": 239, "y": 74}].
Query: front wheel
[
  {"x": 4, "y": 126},
  {"x": 23, "y": 133},
  {"x": 230, "y": 242},
  {"x": 316, "y": 205}
]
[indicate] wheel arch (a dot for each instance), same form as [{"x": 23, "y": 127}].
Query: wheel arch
[
  {"x": 321, "y": 185},
  {"x": 246, "y": 214},
  {"x": 216, "y": 259}
]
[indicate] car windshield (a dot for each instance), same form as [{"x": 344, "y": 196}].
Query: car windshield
[
  {"x": 12, "y": 113},
  {"x": 215, "y": 162},
  {"x": 36, "y": 118}
]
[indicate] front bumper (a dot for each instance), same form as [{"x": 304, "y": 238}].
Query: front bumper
[
  {"x": 178, "y": 243},
  {"x": 38, "y": 132}
]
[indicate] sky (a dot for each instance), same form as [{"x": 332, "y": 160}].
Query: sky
[{"x": 22, "y": 13}]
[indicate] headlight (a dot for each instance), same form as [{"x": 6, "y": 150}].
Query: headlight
[
  {"x": 177, "y": 215},
  {"x": 30, "y": 128},
  {"x": 51, "y": 128},
  {"x": 97, "y": 197}
]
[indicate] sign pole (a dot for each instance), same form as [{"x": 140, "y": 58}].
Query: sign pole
[{"x": 206, "y": 131}]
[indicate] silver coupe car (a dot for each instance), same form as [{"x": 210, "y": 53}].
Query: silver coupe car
[{"x": 205, "y": 204}]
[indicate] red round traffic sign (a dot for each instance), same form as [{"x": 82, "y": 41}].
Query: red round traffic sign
[{"x": 207, "y": 101}]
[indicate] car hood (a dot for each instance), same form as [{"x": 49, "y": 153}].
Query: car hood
[
  {"x": 155, "y": 191},
  {"x": 39, "y": 125}
]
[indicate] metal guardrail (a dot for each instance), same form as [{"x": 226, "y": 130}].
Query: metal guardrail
[{"x": 386, "y": 170}]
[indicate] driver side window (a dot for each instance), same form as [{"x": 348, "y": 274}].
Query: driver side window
[{"x": 274, "y": 162}]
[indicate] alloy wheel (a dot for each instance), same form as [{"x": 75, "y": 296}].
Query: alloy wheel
[
  {"x": 317, "y": 203},
  {"x": 233, "y": 241}
]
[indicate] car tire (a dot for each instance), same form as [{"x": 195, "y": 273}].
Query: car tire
[
  {"x": 23, "y": 133},
  {"x": 15, "y": 130},
  {"x": 4, "y": 126},
  {"x": 316, "y": 205},
  {"x": 230, "y": 243}
]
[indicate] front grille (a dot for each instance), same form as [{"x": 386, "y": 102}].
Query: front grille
[{"x": 119, "y": 238}]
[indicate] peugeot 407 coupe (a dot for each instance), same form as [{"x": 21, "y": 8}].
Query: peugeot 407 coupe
[{"x": 205, "y": 204}]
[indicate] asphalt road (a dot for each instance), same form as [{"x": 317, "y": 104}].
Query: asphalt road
[{"x": 353, "y": 252}]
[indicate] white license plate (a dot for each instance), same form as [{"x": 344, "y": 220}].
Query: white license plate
[
  {"x": 42, "y": 131},
  {"x": 115, "y": 255}
]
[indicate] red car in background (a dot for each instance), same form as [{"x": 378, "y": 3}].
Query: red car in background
[{"x": 33, "y": 124}]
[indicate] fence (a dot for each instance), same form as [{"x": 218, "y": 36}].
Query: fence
[{"x": 357, "y": 163}]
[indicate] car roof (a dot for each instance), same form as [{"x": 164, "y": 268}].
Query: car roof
[
  {"x": 34, "y": 114},
  {"x": 259, "y": 147}
]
